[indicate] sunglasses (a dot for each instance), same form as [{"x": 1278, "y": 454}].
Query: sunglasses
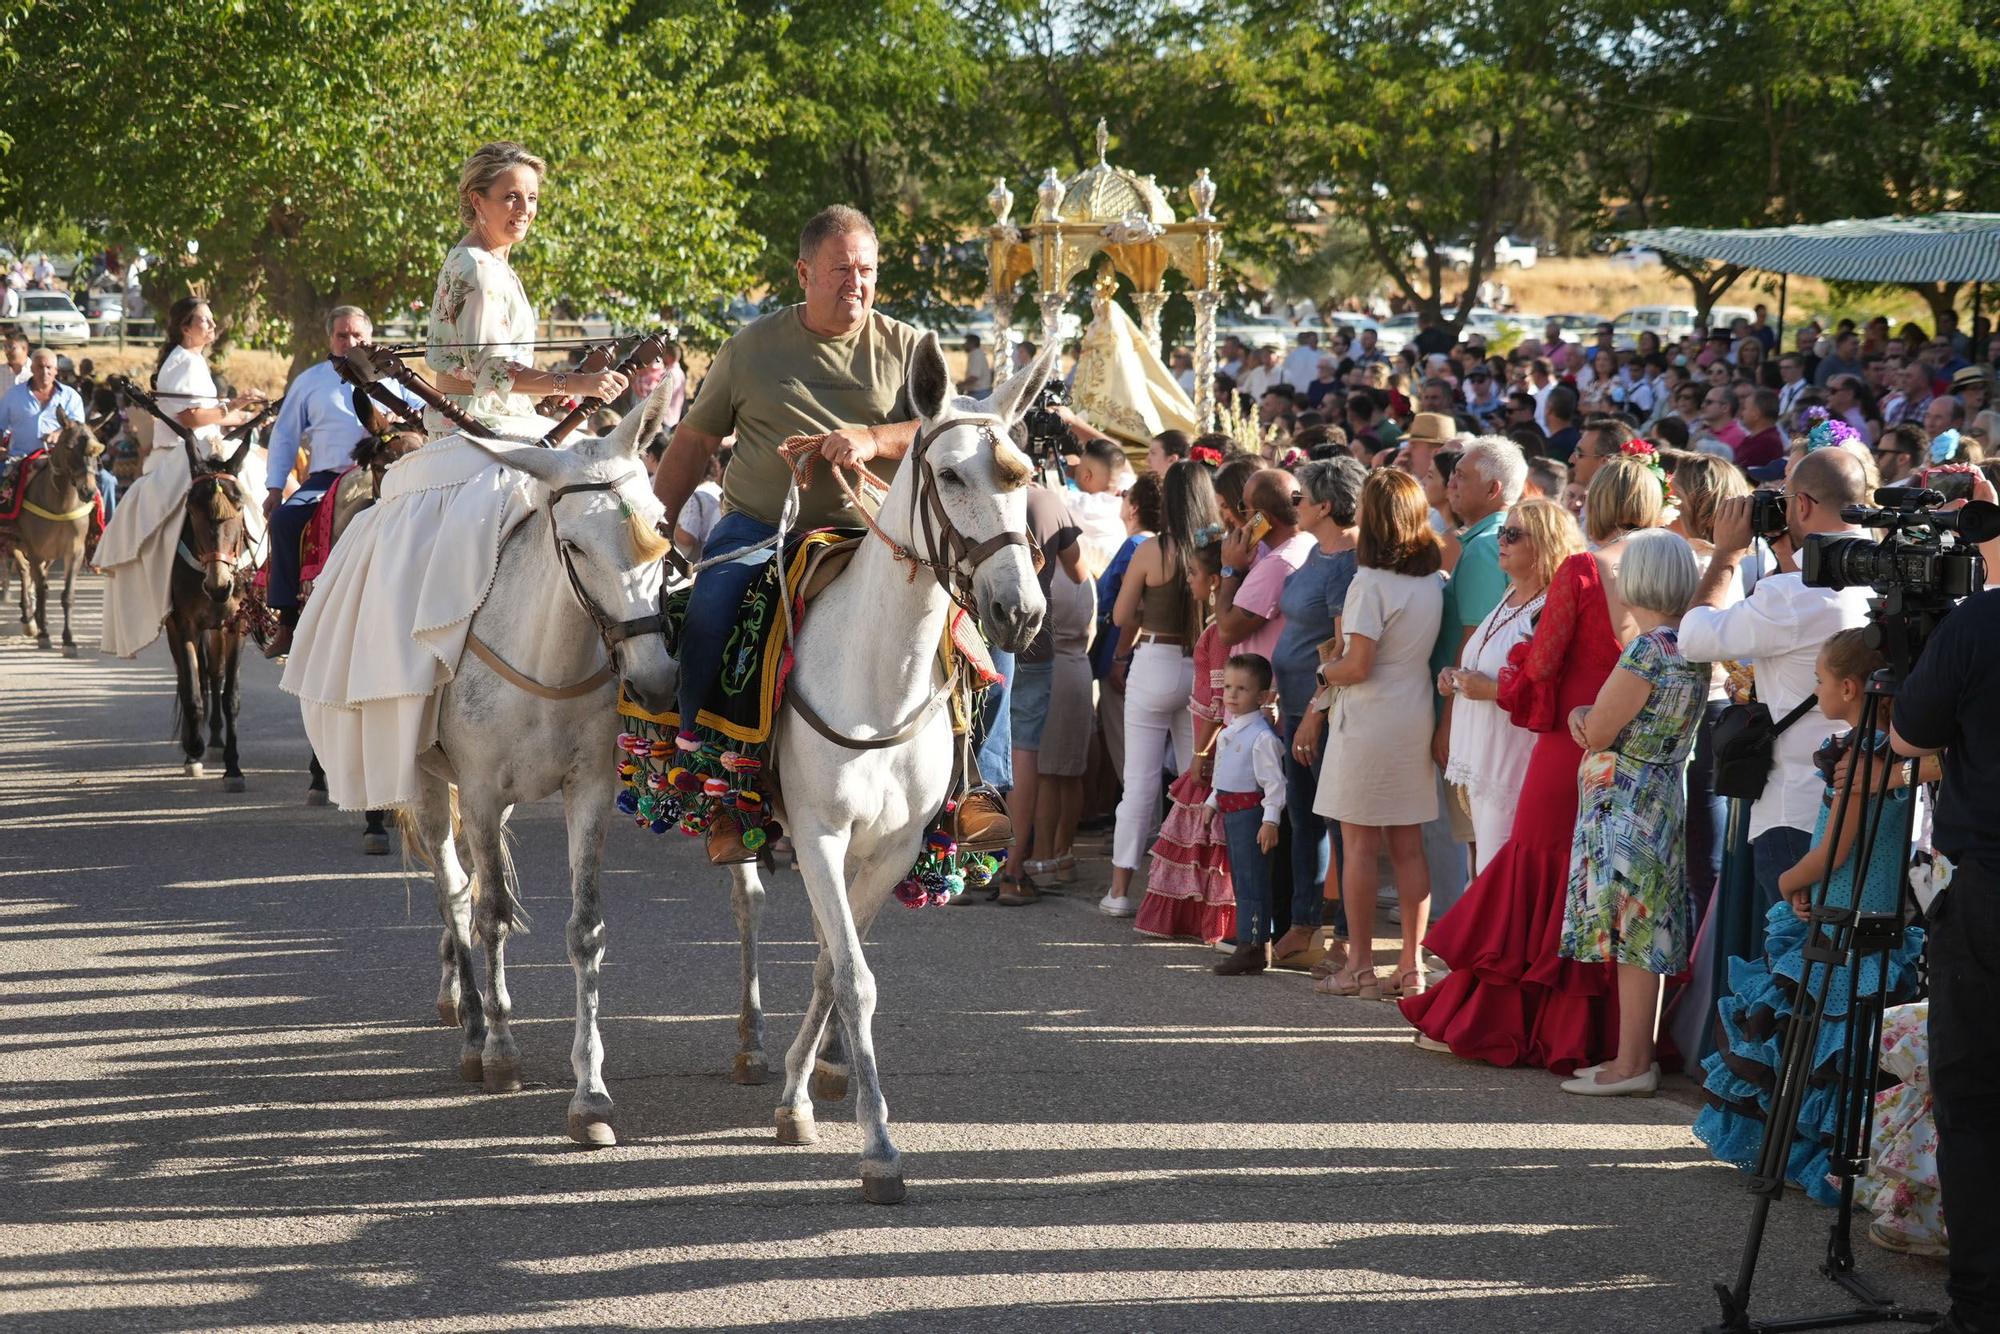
[{"x": 1511, "y": 535}]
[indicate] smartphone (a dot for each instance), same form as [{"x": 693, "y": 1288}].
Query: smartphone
[
  {"x": 1260, "y": 527},
  {"x": 1951, "y": 485}
]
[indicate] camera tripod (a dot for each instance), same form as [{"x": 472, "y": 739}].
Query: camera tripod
[{"x": 1839, "y": 934}]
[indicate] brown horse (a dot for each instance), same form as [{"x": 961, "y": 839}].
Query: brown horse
[
  {"x": 203, "y": 601},
  {"x": 56, "y": 513}
]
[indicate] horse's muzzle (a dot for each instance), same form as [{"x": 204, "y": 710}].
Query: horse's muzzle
[{"x": 1010, "y": 629}]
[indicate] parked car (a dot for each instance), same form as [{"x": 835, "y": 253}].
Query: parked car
[
  {"x": 51, "y": 318},
  {"x": 1508, "y": 253},
  {"x": 1669, "y": 322},
  {"x": 1571, "y": 322},
  {"x": 103, "y": 310}
]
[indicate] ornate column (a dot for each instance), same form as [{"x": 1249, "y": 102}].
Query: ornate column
[
  {"x": 1149, "y": 304},
  {"x": 1051, "y": 261},
  {"x": 999, "y": 284},
  {"x": 1205, "y": 301}
]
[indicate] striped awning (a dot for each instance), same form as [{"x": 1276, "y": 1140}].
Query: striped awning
[{"x": 1938, "y": 248}]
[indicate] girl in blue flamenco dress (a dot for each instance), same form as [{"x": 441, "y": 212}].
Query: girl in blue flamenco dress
[{"x": 1751, "y": 1023}]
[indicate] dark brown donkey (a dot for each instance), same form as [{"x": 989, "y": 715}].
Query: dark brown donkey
[
  {"x": 202, "y": 606},
  {"x": 56, "y": 513}
]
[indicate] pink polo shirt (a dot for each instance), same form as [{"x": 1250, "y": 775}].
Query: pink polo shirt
[{"x": 1264, "y": 585}]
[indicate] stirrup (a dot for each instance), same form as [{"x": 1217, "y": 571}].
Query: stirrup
[{"x": 979, "y": 821}]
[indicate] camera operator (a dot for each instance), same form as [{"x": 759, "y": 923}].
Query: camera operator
[
  {"x": 1951, "y": 703},
  {"x": 1780, "y": 628}
]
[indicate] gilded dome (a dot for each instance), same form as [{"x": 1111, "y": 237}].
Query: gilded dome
[{"x": 1102, "y": 193}]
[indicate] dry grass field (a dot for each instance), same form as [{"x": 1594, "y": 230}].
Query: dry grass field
[{"x": 1604, "y": 287}]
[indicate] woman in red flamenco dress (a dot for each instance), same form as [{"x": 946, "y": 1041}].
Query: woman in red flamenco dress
[{"x": 1510, "y": 998}]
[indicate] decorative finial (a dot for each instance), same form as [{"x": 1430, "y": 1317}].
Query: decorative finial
[
  {"x": 1050, "y": 192},
  {"x": 1106, "y": 282},
  {"x": 1202, "y": 192},
  {"x": 1001, "y": 200},
  {"x": 1103, "y": 141}
]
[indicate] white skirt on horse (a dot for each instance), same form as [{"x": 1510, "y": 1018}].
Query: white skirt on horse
[
  {"x": 137, "y": 551},
  {"x": 387, "y": 621}
]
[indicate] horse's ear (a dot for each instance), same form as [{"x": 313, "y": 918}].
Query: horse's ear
[
  {"x": 62, "y": 419},
  {"x": 1010, "y": 402},
  {"x": 641, "y": 424},
  {"x": 930, "y": 380},
  {"x": 551, "y": 467}
]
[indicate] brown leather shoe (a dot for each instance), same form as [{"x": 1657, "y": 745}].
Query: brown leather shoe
[
  {"x": 1246, "y": 961},
  {"x": 725, "y": 841},
  {"x": 981, "y": 822},
  {"x": 1018, "y": 892},
  {"x": 281, "y": 643}
]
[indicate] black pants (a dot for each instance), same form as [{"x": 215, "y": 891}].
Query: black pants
[{"x": 1965, "y": 1085}]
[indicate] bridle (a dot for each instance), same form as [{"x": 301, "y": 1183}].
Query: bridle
[
  {"x": 953, "y": 560},
  {"x": 199, "y": 561},
  {"x": 613, "y": 633}
]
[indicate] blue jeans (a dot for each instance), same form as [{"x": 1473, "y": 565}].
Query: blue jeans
[
  {"x": 993, "y": 729},
  {"x": 1774, "y": 852},
  {"x": 1444, "y": 856},
  {"x": 107, "y": 486},
  {"x": 714, "y": 605},
  {"x": 288, "y": 526},
  {"x": 1310, "y": 835},
  {"x": 1250, "y": 872}
]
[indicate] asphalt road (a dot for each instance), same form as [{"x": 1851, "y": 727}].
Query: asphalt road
[{"x": 225, "y": 1103}]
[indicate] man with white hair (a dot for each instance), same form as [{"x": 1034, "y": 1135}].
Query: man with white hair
[
  {"x": 1260, "y": 372},
  {"x": 1491, "y": 474}
]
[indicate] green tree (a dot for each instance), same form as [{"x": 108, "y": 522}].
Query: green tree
[
  {"x": 1425, "y": 121},
  {"x": 312, "y": 148}
]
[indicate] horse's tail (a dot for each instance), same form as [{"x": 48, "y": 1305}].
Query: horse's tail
[{"x": 510, "y": 910}]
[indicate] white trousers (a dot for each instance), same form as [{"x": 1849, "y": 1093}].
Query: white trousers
[
  {"x": 1158, "y": 730},
  {"x": 1493, "y": 807}
]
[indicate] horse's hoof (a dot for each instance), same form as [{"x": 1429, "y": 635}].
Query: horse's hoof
[
  {"x": 448, "y": 1016},
  {"x": 470, "y": 1068},
  {"x": 70, "y": 651},
  {"x": 829, "y": 1084},
  {"x": 315, "y": 796},
  {"x": 751, "y": 1068},
  {"x": 500, "y": 1076},
  {"x": 43, "y": 642},
  {"x": 592, "y": 1130},
  {"x": 192, "y": 769},
  {"x": 884, "y": 1189},
  {"x": 235, "y": 783},
  {"x": 794, "y": 1129},
  {"x": 375, "y": 845}
]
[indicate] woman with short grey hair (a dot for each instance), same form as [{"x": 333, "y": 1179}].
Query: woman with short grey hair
[{"x": 1329, "y": 494}]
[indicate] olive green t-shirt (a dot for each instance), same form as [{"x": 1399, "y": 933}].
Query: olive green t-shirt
[{"x": 775, "y": 378}]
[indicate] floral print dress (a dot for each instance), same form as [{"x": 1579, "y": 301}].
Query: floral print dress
[
  {"x": 1628, "y": 892},
  {"x": 483, "y": 330}
]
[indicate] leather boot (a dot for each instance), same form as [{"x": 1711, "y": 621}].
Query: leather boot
[
  {"x": 1245, "y": 961},
  {"x": 981, "y": 822}
]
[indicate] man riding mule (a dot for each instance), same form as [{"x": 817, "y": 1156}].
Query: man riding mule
[
  {"x": 51, "y": 517},
  {"x": 830, "y": 367},
  {"x": 319, "y": 412}
]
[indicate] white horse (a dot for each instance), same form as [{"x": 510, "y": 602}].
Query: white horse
[
  {"x": 866, "y": 668},
  {"x": 572, "y": 609}
]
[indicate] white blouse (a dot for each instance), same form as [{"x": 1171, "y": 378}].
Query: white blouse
[
  {"x": 186, "y": 374},
  {"x": 1486, "y": 746}
]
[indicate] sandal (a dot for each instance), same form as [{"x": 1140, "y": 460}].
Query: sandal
[
  {"x": 1066, "y": 868},
  {"x": 1017, "y": 891},
  {"x": 1366, "y": 985},
  {"x": 1335, "y": 960},
  {"x": 1409, "y": 982}
]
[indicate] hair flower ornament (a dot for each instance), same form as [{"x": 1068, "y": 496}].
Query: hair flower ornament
[
  {"x": 1944, "y": 447},
  {"x": 1206, "y": 454},
  {"x": 1828, "y": 431},
  {"x": 1648, "y": 454},
  {"x": 1204, "y": 536}
]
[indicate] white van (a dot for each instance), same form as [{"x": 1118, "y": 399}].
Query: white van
[{"x": 1670, "y": 323}]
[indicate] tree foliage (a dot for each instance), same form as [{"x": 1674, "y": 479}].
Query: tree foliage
[{"x": 312, "y": 148}]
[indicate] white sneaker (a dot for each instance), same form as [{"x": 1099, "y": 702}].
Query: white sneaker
[{"x": 1112, "y": 906}]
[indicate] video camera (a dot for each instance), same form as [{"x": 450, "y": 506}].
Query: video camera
[
  {"x": 1927, "y": 562},
  {"x": 1048, "y": 436}
]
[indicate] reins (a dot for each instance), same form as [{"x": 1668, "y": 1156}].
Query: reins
[{"x": 952, "y": 561}]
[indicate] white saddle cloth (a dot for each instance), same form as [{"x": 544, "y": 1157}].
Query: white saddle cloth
[
  {"x": 386, "y": 624},
  {"x": 137, "y": 550}
]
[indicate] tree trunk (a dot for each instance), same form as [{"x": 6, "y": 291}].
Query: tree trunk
[{"x": 1942, "y": 298}]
